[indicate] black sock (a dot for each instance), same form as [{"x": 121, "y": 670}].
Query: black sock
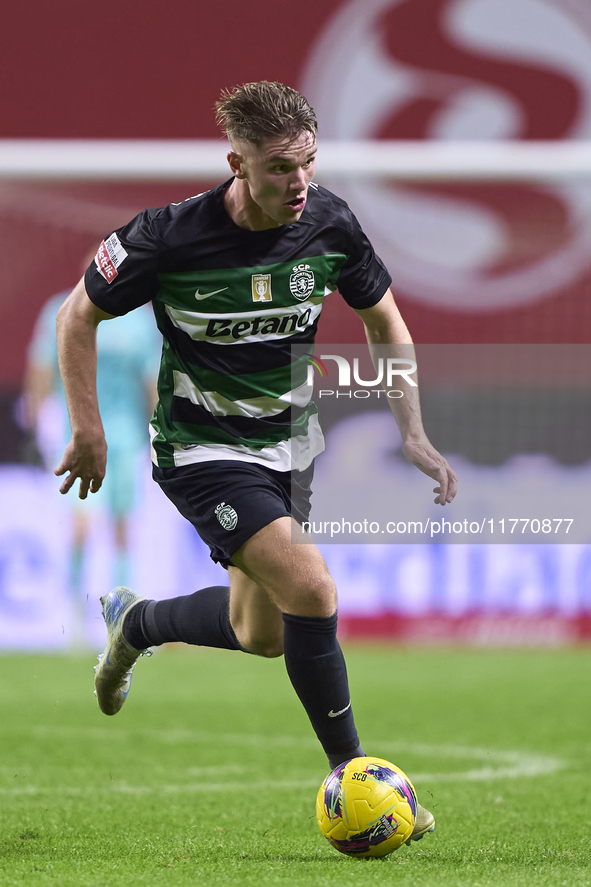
[
  {"x": 202, "y": 619},
  {"x": 316, "y": 668}
]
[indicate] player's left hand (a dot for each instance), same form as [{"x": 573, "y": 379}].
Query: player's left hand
[{"x": 428, "y": 460}]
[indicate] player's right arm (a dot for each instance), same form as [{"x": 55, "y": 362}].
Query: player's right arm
[{"x": 85, "y": 456}]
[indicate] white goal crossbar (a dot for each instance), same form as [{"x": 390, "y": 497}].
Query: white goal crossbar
[{"x": 163, "y": 160}]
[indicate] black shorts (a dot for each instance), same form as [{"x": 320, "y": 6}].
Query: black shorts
[{"x": 228, "y": 502}]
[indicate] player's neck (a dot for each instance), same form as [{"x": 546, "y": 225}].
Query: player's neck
[{"x": 242, "y": 209}]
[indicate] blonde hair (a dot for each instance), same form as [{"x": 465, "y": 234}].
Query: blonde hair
[{"x": 264, "y": 109}]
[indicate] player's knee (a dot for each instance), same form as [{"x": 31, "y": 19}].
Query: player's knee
[
  {"x": 315, "y": 597},
  {"x": 268, "y": 647}
]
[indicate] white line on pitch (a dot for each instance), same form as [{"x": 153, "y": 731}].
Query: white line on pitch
[
  {"x": 497, "y": 764},
  {"x": 190, "y": 788}
]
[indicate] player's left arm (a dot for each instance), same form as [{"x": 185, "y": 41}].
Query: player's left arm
[{"x": 384, "y": 326}]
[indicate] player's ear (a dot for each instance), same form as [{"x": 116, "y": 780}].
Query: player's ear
[{"x": 236, "y": 162}]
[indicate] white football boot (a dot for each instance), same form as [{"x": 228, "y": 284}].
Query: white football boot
[
  {"x": 424, "y": 823},
  {"x": 113, "y": 674}
]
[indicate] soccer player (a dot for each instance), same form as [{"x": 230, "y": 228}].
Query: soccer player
[
  {"x": 237, "y": 276},
  {"x": 128, "y": 359}
]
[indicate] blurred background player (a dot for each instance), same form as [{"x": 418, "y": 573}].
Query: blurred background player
[{"x": 128, "y": 359}]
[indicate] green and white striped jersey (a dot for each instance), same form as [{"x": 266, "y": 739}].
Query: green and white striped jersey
[{"x": 238, "y": 311}]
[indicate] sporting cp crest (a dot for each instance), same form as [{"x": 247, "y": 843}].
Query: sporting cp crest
[
  {"x": 227, "y": 516},
  {"x": 261, "y": 288},
  {"x": 301, "y": 282}
]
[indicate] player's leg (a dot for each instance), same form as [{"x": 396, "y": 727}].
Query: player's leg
[
  {"x": 200, "y": 492},
  {"x": 256, "y": 620},
  {"x": 209, "y": 618},
  {"x": 241, "y": 512},
  {"x": 202, "y": 618},
  {"x": 296, "y": 579},
  {"x": 281, "y": 597}
]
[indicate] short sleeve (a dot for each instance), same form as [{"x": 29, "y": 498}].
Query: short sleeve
[
  {"x": 124, "y": 272},
  {"x": 364, "y": 278}
]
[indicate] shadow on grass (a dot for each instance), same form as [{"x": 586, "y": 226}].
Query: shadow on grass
[{"x": 339, "y": 859}]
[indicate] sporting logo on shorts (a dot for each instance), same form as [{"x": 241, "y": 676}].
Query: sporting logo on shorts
[
  {"x": 227, "y": 516},
  {"x": 109, "y": 256},
  {"x": 301, "y": 282},
  {"x": 261, "y": 288}
]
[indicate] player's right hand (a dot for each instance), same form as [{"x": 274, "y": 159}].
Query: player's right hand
[{"x": 85, "y": 459}]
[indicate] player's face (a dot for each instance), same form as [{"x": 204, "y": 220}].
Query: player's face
[{"x": 277, "y": 175}]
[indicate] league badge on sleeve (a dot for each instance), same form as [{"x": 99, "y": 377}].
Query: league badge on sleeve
[{"x": 109, "y": 256}]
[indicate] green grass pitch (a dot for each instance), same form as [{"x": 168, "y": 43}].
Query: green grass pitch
[{"x": 208, "y": 776}]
